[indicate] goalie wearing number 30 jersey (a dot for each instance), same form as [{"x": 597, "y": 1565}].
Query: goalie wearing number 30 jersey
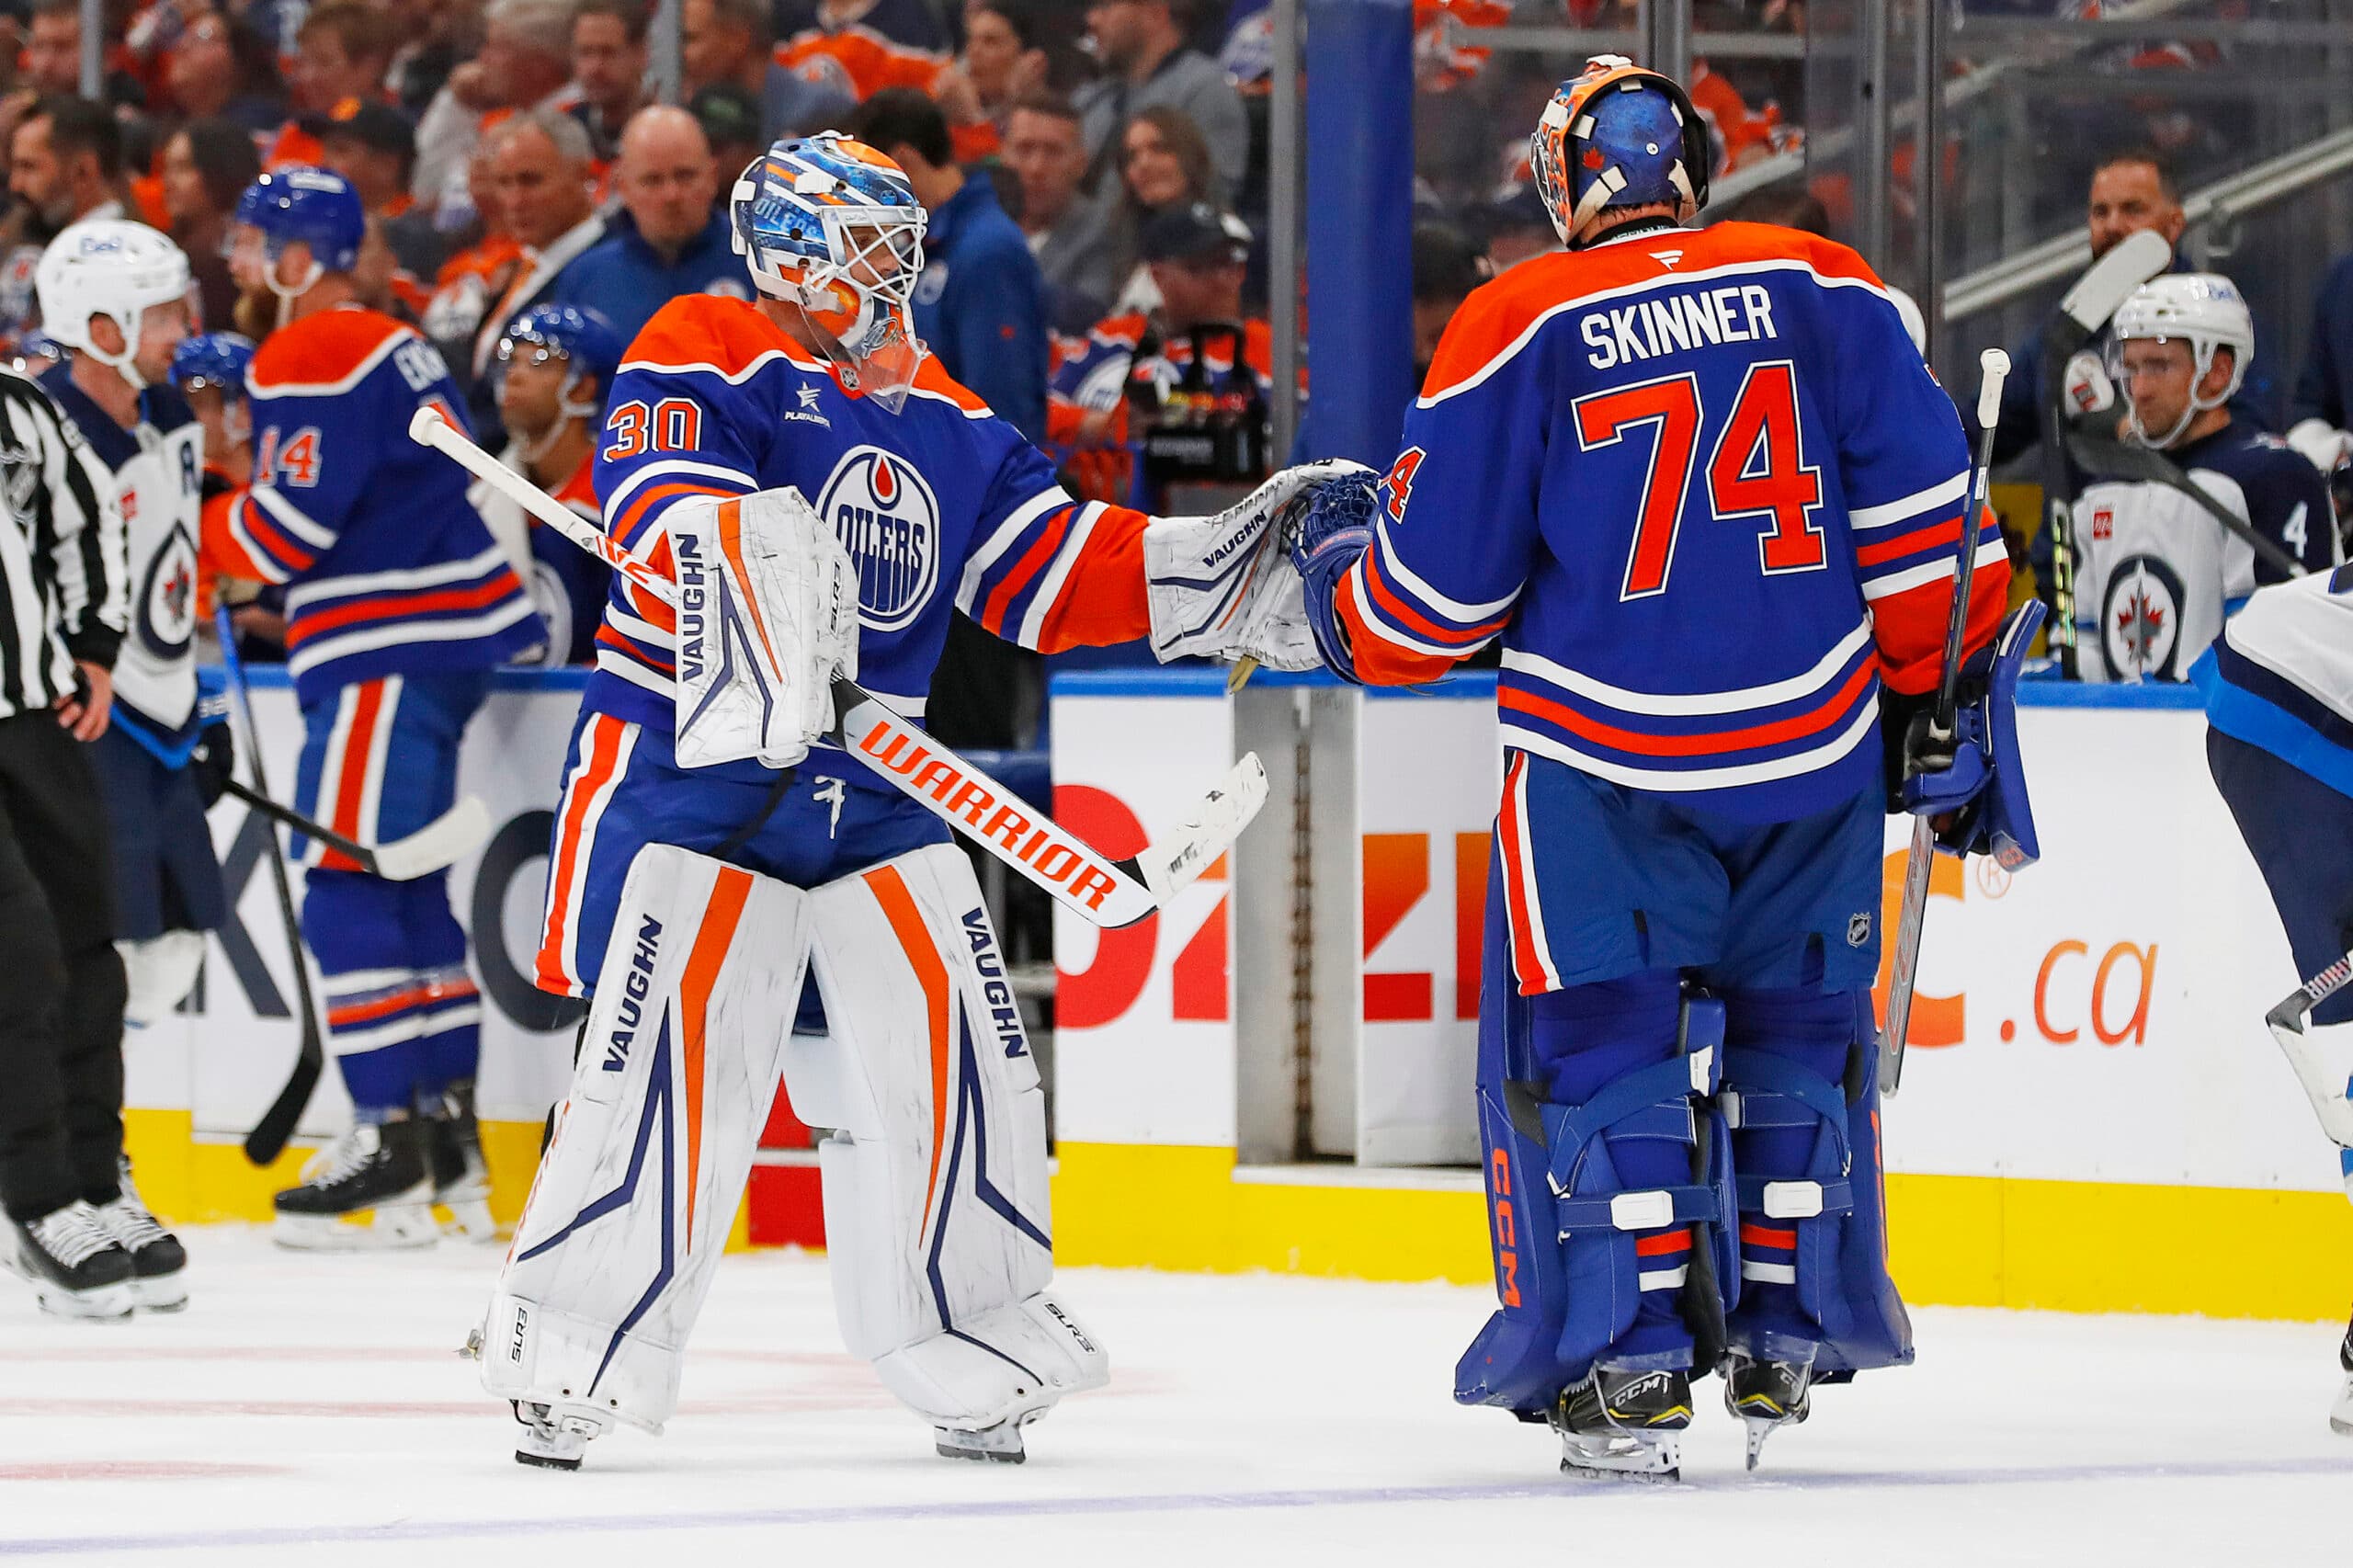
[
  {"x": 693, "y": 902},
  {"x": 1701, "y": 485}
]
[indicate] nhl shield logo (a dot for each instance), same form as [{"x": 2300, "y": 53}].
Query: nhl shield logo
[
  {"x": 888, "y": 518},
  {"x": 1859, "y": 929}
]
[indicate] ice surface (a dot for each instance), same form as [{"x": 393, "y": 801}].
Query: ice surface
[{"x": 315, "y": 1411}]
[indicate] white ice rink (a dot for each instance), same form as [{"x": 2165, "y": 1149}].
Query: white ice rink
[{"x": 315, "y": 1411}]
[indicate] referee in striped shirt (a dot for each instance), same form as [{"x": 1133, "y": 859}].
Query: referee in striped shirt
[{"x": 64, "y": 605}]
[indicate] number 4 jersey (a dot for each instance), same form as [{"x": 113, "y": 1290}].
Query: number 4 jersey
[
  {"x": 391, "y": 570},
  {"x": 1703, "y": 487}
]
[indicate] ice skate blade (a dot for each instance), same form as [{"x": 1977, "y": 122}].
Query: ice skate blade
[
  {"x": 2340, "y": 1419},
  {"x": 167, "y": 1294},
  {"x": 108, "y": 1303},
  {"x": 538, "y": 1459},
  {"x": 1000, "y": 1443},
  {"x": 465, "y": 1220},
  {"x": 385, "y": 1229},
  {"x": 1759, "y": 1428},
  {"x": 1653, "y": 1461},
  {"x": 556, "y": 1436}
]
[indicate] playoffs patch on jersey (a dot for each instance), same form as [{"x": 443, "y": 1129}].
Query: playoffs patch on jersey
[{"x": 888, "y": 518}]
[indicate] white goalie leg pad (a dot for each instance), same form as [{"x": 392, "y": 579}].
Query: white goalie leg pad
[
  {"x": 637, "y": 1192},
  {"x": 935, "y": 1161}
]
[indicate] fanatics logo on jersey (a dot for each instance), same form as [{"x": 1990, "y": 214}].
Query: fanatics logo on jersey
[
  {"x": 888, "y": 520},
  {"x": 1667, "y": 258}
]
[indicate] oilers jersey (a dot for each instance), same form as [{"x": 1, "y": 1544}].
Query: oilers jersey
[
  {"x": 2156, "y": 574},
  {"x": 390, "y": 569},
  {"x": 158, "y": 488},
  {"x": 1702, "y": 487},
  {"x": 943, "y": 507}
]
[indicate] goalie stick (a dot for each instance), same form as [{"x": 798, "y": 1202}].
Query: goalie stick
[
  {"x": 268, "y": 1140},
  {"x": 1107, "y": 893},
  {"x": 1904, "y": 972},
  {"x": 2290, "y": 1023},
  {"x": 437, "y": 846},
  {"x": 2083, "y": 312}
]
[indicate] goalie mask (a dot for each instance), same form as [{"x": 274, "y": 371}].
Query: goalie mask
[
  {"x": 833, "y": 226},
  {"x": 2202, "y": 309},
  {"x": 1618, "y": 136}
]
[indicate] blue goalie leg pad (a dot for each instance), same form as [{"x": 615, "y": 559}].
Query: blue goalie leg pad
[
  {"x": 1586, "y": 1105},
  {"x": 1801, "y": 1095}
]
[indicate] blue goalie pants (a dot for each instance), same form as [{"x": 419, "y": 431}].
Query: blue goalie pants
[
  {"x": 1677, "y": 1089},
  {"x": 380, "y": 761}
]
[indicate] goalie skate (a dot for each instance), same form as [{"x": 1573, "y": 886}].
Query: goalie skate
[
  {"x": 1766, "y": 1396},
  {"x": 556, "y": 1436},
  {"x": 1624, "y": 1425},
  {"x": 2340, "y": 1417}
]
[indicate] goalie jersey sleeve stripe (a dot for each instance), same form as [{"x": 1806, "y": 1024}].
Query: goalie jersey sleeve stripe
[{"x": 1704, "y": 490}]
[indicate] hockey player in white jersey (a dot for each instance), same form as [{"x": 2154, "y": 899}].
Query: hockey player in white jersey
[
  {"x": 2157, "y": 572},
  {"x": 706, "y": 862},
  {"x": 114, "y": 293}
]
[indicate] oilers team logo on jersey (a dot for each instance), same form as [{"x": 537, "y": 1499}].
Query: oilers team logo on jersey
[
  {"x": 2140, "y": 619},
  {"x": 166, "y": 604},
  {"x": 888, "y": 520}
]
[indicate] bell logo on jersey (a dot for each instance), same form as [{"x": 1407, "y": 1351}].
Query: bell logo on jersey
[
  {"x": 888, "y": 520},
  {"x": 167, "y": 598}
]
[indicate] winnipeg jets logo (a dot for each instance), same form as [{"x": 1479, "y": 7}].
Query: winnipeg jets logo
[
  {"x": 888, "y": 520},
  {"x": 809, "y": 396},
  {"x": 166, "y": 604},
  {"x": 2140, "y": 619}
]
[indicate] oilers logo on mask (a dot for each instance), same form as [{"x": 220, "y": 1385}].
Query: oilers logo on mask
[{"x": 888, "y": 518}]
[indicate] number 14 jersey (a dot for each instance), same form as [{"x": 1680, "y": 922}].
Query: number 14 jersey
[{"x": 1701, "y": 485}]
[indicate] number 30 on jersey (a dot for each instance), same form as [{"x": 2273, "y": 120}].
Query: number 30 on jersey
[{"x": 1757, "y": 468}]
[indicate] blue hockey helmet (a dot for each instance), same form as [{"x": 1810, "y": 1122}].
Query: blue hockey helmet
[
  {"x": 1618, "y": 136},
  {"x": 833, "y": 226},
  {"x": 213, "y": 359},
  {"x": 581, "y": 337},
  {"x": 315, "y": 206}
]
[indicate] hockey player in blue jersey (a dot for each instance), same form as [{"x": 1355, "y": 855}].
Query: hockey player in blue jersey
[
  {"x": 2156, "y": 570},
  {"x": 553, "y": 366},
  {"x": 1702, "y": 487},
  {"x": 399, "y": 606},
  {"x": 688, "y": 901}
]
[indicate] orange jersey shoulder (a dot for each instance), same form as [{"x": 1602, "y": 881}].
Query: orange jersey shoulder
[
  {"x": 1500, "y": 314},
  {"x": 711, "y": 330},
  {"x": 325, "y": 348},
  {"x": 932, "y": 378}
]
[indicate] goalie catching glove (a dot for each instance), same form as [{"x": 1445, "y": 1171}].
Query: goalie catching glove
[
  {"x": 1225, "y": 587},
  {"x": 1974, "y": 774},
  {"x": 768, "y": 617}
]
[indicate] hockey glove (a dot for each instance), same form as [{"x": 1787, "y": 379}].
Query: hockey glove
[
  {"x": 1333, "y": 531},
  {"x": 213, "y": 762},
  {"x": 1224, "y": 586},
  {"x": 1973, "y": 775}
]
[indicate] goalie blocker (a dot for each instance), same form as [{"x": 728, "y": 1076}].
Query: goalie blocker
[{"x": 933, "y": 1151}]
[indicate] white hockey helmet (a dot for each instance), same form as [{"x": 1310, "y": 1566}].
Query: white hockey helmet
[
  {"x": 2204, "y": 310},
  {"x": 112, "y": 267}
]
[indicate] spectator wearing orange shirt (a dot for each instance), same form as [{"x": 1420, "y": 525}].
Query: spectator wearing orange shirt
[
  {"x": 343, "y": 52},
  {"x": 1004, "y": 62},
  {"x": 842, "y": 53}
]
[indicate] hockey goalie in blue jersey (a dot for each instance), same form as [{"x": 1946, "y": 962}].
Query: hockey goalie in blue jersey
[
  {"x": 1702, "y": 486},
  {"x": 694, "y": 883},
  {"x": 399, "y": 605}
]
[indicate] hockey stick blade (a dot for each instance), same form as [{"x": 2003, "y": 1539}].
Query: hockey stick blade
[
  {"x": 2109, "y": 281},
  {"x": 1169, "y": 866},
  {"x": 2290, "y": 1023},
  {"x": 1072, "y": 871},
  {"x": 437, "y": 846}
]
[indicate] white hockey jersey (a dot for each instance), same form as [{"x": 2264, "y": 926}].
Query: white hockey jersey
[
  {"x": 159, "y": 489},
  {"x": 2155, "y": 574},
  {"x": 2281, "y": 675}
]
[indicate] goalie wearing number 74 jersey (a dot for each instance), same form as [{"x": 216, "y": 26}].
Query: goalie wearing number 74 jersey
[
  {"x": 740, "y": 912},
  {"x": 1701, "y": 485}
]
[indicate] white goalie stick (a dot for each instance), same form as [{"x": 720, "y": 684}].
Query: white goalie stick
[
  {"x": 1109, "y": 893},
  {"x": 2083, "y": 312},
  {"x": 437, "y": 846},
  {"x": 1903, "y": 974}
]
